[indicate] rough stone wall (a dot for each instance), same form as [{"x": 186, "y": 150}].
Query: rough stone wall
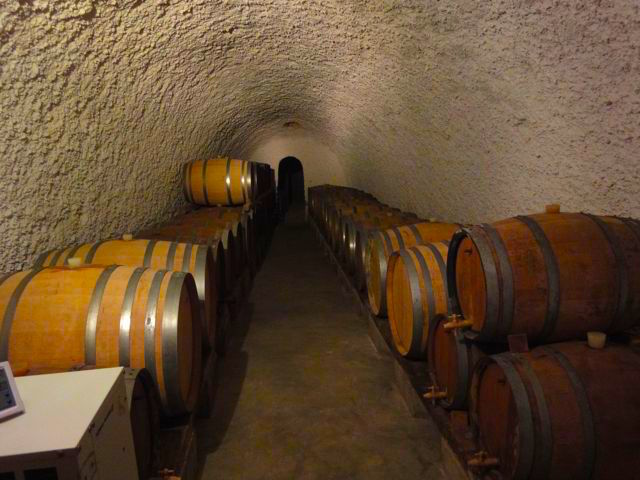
[{"x": 458, "y": 109}]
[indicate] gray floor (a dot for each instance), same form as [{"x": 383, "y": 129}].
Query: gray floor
[{"x": 303, "y": 393}]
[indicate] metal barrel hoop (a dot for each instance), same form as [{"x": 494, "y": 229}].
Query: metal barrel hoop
[
  {"x": 507, "y": 297},
  {"x": 124, "y": 339},
  {"x": 91, "y": 322},
  {"x": 621, "y": 269},
  {"x": 414, "y": 285},
  {"x": 10, "y": 312},
  {"x": 553, "y": 277}
]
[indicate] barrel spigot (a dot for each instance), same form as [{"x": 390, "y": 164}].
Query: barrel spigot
[
  {"x": 435, "y": 393},
  {"x": 483, "y": 460},
  {"x": 456, "y": 321}
]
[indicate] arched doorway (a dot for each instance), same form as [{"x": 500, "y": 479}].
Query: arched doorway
[{"x": 290, "y": 183}]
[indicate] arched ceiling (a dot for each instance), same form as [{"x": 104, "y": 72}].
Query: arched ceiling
[{"x": 456, "y": 109}]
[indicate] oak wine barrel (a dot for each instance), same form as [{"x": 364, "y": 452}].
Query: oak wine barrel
[
  {"x": 552, "y": 276},
  {"x": 416, "y": 293},
  {"x": 229, "y": 217},
  {"x": 560, "y": 411},
  {"x": 107, "y": 316},
  {"x": 356, "y": 213},
  {"x": 360, "y": 245},
  {"x": 452, "y": 358},
  {"x": 359, "y": 241},
  {"x": 368, "y": 217},
  {"x": 385, "y": 242},
  {"x": 205, "y": 225},
  {"x": 218, "y": 181},
  {"x": 221, "y": 239},
  {"x": 196, "y": 259},
  {"x": 264, "y": 174}
]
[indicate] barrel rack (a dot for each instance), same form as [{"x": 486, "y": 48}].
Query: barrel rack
[{"x": 412, "y": 379}]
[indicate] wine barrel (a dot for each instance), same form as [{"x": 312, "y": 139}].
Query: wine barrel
[
  {"x": 229, "y": 217},
  {"x": 144, "y": 413},
  {"x": 218, "y": 181},
  {"x": 552, "y": 276},
  {"x": 358, "y": 210},
  {"x": 327, "y": 199},
  {"x": 263, "y": 178},
  {"x": 560, "y": 411},
  {"x": 361, "y": 244},
  {"x": 365, "y": 215},
  {"x": 361, "y": 234},
  {"x": 353, "y": 212},
  {"x": 416, "y": 293},
  {"x": 211, "y": 225},
  {"x": 196, "y": 259},
  {"x": 384, "y": 242},
  {"x": 207, "y": 236},
  {"x": 107, "y": 316},
  {"x": 452, "y": 358},
  {"x": 334, "y": 211}
]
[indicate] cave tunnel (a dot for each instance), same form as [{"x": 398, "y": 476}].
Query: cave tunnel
[{"x": 467, "y": 113}]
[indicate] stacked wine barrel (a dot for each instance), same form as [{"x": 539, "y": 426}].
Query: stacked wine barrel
[
  {"x": 150, "y": 301},
  {"x": 146, "y": 304},
  {"x": 232, "y": 182},
  {"x": 499, "y": 314},
  {"x": 346, "y": 217}
]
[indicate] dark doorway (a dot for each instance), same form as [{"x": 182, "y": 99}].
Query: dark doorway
[{"x": 290, "y": 183}]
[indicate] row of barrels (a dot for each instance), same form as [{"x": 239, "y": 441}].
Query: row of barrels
[
  {"x": 151, "y": 302},
  {"x": 455, "y": 294},
  {"x": 146, "y": 302},
  {"x": 226, "y": 181},
  {"x": 346, "y": 217}
]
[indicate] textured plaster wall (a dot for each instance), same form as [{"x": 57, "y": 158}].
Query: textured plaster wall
[{"x": 458, "y": 109}]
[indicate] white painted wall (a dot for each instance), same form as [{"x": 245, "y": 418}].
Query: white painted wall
[{"x": 320, "y": 164}]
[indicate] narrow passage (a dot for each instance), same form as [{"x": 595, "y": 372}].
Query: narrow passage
[{"x": 303, "y": 394}]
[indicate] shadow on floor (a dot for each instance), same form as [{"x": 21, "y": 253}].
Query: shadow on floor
[
  {"x": 295, "y": 216},
  {"x": 231, "y": 372}
]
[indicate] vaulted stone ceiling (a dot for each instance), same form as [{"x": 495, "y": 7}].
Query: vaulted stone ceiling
[{"x": 457, "y": 109}]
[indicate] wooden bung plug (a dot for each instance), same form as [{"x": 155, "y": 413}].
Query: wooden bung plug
[
  {"x": 552, "y": 208},
  {"x": 596, "y": 340},
  {"x": 74, "y": 262},
  {"x": 127, "y": 237}
]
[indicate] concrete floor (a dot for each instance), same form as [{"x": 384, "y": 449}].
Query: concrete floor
[{"x": 303, "y": 394}]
